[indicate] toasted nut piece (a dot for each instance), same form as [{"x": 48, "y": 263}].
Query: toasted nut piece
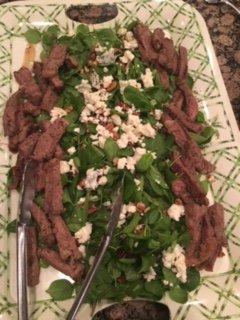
[
  {"x": 141, "y": 207},
  {"x": 112, "y": 86}
]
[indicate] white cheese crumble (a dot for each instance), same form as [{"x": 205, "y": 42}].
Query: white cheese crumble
[
  {"x": 127, "y": 57},
  {"x": 71, "y": 150},
  {"x": 158, "y": 114},
  {"x": 176, "y": 211},
  {"x": 105, "y": 56},
  {"x": 129, "y": 41},
  {"x": 131, "y": 82},
  {"x": 82, "y": 249},
  {"x": 107, "y": 80},
  {"x": 147, "y": 78},
  {"x": 174, "y": 259},
  {"x": 64, "y": 167},
  {"x": 96, "y": 177},
  {"x": 130, "y": 162},
  {"x": 122, "y": 31},
  {"x": 151, "y": 275},
  {"x": 127, "y": 210},
  {"x": 77, "y": 130},
  {"x": 84, "y": 233},
  {"x": 95, "y": 80},
  {"x": 116, "y": 119},
  {"x": 57, "y": 113}
]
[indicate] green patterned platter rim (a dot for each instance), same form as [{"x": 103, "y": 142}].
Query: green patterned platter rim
[{"x": 218, "y": 295}]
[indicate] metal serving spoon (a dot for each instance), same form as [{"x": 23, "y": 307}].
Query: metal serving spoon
[
  {"x": 134, "y": 310},
  {"x": 224, "y": 1}
]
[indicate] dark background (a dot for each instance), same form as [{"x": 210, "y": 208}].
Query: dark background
[{"x": 224, "y": 27}]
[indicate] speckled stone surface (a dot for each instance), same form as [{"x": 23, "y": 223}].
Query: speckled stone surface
[{"x": 224, "y": 27}]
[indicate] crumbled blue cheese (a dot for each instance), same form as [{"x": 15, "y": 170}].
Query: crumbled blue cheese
[
  {"x": 151, "y": 275},
  {"x": 95, "y": 80},
  {"x": 174, "y": 259},
  {"x": 57, "y": 113},
  {"x": 96, "y": 177},
  {"x": 64, "y": 167},
  {"x": 127, "y": 57},
  {"x": 129, "y": 41},
  {"x": 131, "y": 82},
  {"x": 71, "y": 150},
  {"x": 77, "y": 130},
  {"x": 107, "y": 80},
  {"x": 116, "y": 119},
  {"x": 147, "y": 78},
  {"x": 82, "y": 250},
  {"x": 83, "y": 234},
  {"x": 158, "y": 114},
  {"x": 130, "y": 162},
  {"x": 127, "y": 210},
  {"x": 105, "y": 56},
  {"x": 176, "y": 211}
]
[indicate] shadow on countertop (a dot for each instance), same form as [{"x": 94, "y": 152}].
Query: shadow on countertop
[{"x": 224, "y": 27}]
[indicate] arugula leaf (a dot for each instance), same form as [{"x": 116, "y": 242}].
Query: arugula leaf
[
  {"x": 111, "y": 148},
  {"x": 61, "y": 290},
  {"x": 136, "y": 97},
  {"x": 144, "y": 163},
  {"x": 33, "y": 36},
  {"x": 11, "y": 227},
  {"x": 178, "y": 294}
]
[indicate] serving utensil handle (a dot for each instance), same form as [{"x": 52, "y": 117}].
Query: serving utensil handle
[
  {"x": 232, "y": 5},
  {"x": 22, "y": 272},
  {"x": 89, "y": 277}
]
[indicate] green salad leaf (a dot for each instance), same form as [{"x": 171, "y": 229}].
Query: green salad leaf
[{"x": 60, "y": 290}]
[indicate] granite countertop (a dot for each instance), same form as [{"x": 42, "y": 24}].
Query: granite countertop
[{"x": 224, "y": 27}]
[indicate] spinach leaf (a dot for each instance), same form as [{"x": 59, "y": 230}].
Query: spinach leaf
[
  {"x": 61, "y": 290},
  {"x": 157, "y": 177},
  {"x": 161, "y": 144},
  {"x": 11, "y": 227},
  {"x": 129, "y": 189},
  {"x": 33, "y": 36},
  {"x": 193, "y": 279},
  {"x": 155, "y": 287},
  {"x": 144, "y": 163},
  {"x": 205, "y": 137},
  {"x": 170, "y": 276},
  {"x": 132, "y": 224},
  {"x": 147, "y": 261},
  {"x": 178, "y": 294},
  {"x": 134, "y": 96},
  {"x": 158, "y": 94},
  {"x": 108, "y": 38},
  {"x": 111, "y": 148}
]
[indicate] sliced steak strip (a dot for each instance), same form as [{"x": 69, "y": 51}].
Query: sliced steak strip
[
  {"x": 26, "y": 147},
  {"x": 33, "y": 267},
  {"x": 53, "y": 188},
  {"x": 25, "y": 125},
  {"x": 182, "y": 63},
  {"x": 194, "y": 215},
  {"x": 175, "y": 129},
  {"x": 25, "y": 79},
  {"x": 10, "y": 113},
  {"x": 190, "y": 179},
  {"x": 195, "y": 159},
  {"x": 29, "y": 108},
  {"x": 180, "y": 190},
  {"x": 183, "y": 118},
  {"x": 54, "y": 61},
  {"x": 216, "y": 213},
  {"x": 191, "y": 102},
  {"x": 209, "y": 247},
  {"x": 40, "y": 177},
  {"x": 49, "y": 139},
  {"x": 66, "y": 242},
  {"x": 49, "y": 100},
  {"x": 44, "y": 225},
  {"x": 164, "y": 78},
  {"x": 178, "y": 99},
  {"x": 144, "y": 38},
  {"x": 167, "y": 57},
  {"x": 74, "y": 269},
  {"x": 37, "y": 70},
  {"x": 17, "y": 171},
  {"x": 57, "y": 83},
  {"x": 59, "y": 153}
]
